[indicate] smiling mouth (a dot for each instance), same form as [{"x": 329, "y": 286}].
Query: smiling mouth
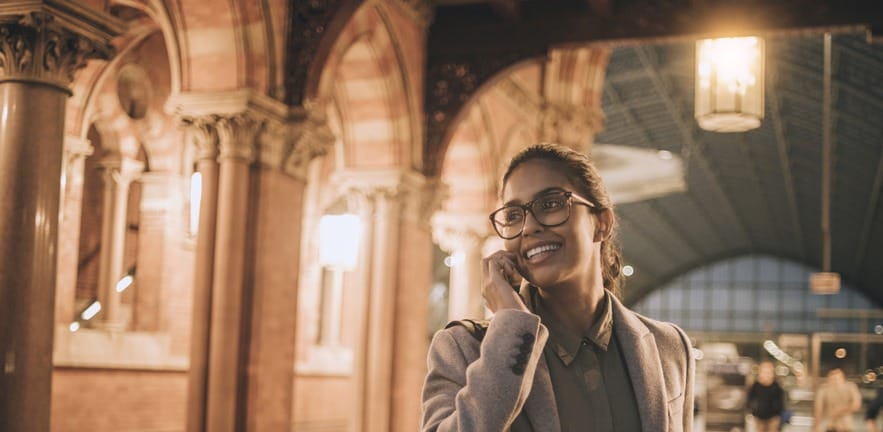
[{"x": 541, "y": 250}]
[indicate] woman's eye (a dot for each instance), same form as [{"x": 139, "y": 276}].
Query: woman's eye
[
  {"x": 551, "y": 204},
  {"x": 513, "y": 216}
]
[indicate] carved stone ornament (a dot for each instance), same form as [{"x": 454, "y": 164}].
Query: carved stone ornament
[
  {"x": 237, "y": 135},
  {"x": 35, "y": 48},
  {"x": 460, "y": 232},
  {"x": 570, "y": 125},
  {"x": 418, "y": 197},
  {"x": 274, "y": 144},
  {"x": 311, "y": 138},
  {"x": 201, "y": 134}
]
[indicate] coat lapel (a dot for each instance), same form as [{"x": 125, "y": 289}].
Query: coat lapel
[
  {"x": 540, "y": 406},
  {"x": 645, "y": 368}
]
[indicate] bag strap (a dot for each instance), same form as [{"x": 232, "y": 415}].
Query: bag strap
[{"x": 477, "y": 328}]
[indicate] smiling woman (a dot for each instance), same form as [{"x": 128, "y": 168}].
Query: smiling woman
[{"x": 561, "y": 353}]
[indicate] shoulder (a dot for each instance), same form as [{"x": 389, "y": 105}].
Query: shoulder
[
  {"x": 665, "y": 333},
  {"x": 454, "y": 341}
]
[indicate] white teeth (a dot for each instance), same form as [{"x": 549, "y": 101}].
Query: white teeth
[{"x": 540, "y": 249}]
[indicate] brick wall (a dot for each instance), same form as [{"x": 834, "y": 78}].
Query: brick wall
[{"x": 103, "y": 400}]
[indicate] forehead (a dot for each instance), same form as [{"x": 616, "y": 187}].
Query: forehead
[{"x": 533, "y": 177}]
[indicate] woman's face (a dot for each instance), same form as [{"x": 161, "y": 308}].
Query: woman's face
[{"x": 570, "y": 254}]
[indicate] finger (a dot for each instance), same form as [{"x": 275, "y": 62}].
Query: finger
[{"x": 499, "y": 276}]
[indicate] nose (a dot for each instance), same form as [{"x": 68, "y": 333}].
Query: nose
[{"x": 531, "y": 225}]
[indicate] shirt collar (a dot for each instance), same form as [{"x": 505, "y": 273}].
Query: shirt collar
[{"x": 566, "y": 344}]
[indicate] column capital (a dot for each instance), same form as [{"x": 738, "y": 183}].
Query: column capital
[
  {"x": 290, "y": 144},
  {"x": 419, "y": 196},
  {"x": 570, "y": 125},
  {"x": 237, "y": 135},
  {"x": 460, "y": 232},
  {"x": 201, "y": 133},
  {"x": 247, "y": 125},
  {"x": 75, "y": 147},
  {"x": 47, "y": 41},
  {"x": 122, "y": 171},
  {"x": 310, "y": 138}
]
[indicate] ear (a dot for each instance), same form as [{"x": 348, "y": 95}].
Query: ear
[{"x": 604, "y": 225}]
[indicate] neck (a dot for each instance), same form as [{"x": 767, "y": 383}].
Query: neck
[{"x": 575, "y": 307}]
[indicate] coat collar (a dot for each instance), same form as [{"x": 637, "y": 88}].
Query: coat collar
[
  {"x": 645, "y": 371},
  {"x": 639, "y": 349}
]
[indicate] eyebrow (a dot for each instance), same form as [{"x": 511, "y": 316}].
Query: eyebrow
[{"x": 545, "y": 191}]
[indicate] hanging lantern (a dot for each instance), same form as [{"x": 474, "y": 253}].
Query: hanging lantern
[{"x": 729, "y": 84}]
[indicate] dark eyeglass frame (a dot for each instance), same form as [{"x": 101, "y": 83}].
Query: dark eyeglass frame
[{"x": 527, "y": 207}]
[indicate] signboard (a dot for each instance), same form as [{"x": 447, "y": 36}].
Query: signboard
[{"x": 824, "y": 283}]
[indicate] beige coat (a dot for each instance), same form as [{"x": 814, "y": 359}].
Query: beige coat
[{"x": 483, "y": 386}]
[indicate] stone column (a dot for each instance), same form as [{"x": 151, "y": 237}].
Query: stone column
[
  {"x": 236, "y": 139},
  {"x": 118, "y": 175},
  {"x": 463, "y": 237},
  {"x": 152, "y": 222},
  {"x": 285, "y": 149},
  {"x": 201, "y": 134},
  {"x": 42, "y": 44},
  {"x": 242, "y": 355},
  {"x": 391, "y": 357},
  {"x": 76, "y": 150},
  {"x": 573, "y": 81}
]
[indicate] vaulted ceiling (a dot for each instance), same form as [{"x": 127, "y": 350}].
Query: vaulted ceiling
[{"x": 752, "y": 192}]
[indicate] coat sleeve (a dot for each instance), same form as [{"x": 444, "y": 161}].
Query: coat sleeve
[
  {"x": 690, "y": 374},
  {"x": 462, "y": 393}
]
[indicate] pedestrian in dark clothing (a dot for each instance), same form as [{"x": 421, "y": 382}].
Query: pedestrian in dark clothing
[
  {"x": 873, "y": 410},
  {"x": 766, "y": 399}
]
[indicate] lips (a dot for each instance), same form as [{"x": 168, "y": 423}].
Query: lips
[{"x": 541, "y": 251}]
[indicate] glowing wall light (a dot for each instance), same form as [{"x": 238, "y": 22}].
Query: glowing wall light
[
  {"x": 91, "y": 311},
  {"x": 126, "y": 280},
  {"x": 339, "y": 237},
  {"x": 729, "y": 84}
]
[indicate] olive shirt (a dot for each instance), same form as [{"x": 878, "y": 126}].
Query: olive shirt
[{"x": 593, "y": 391}]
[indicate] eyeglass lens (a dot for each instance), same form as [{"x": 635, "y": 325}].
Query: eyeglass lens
[{"x": 550, "y": 210}]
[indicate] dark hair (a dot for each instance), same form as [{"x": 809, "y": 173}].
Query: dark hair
[{"x": 581, "y": 171}]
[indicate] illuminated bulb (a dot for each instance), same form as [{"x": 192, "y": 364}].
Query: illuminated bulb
[
  {"x": 124, "y": 283},
  {"x": 91, "y": 311},
  {"x": 74, "y": 326},
  {"x": 729, "y": 84},
  {"x": 840, "y": 353},
  {"x": 628, "y": 270}
]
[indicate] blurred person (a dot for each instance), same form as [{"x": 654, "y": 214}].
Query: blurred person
[
  {"x": 836, "y": 400},
  {"x": 873, "y": 411},
  {"x": 766, "y": 399},
  {"x": 561, "y": 353}
]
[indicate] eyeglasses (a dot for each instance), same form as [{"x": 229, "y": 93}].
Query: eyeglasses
[{"x": 549, "y": 210}]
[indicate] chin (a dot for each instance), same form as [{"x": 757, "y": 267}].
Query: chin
[{"x": 541, "y": 280}]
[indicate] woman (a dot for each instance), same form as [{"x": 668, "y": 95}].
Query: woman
[{"x": 561, "y": 354}]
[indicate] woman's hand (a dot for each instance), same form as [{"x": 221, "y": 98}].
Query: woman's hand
[{"x": 500, "y": 279}]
